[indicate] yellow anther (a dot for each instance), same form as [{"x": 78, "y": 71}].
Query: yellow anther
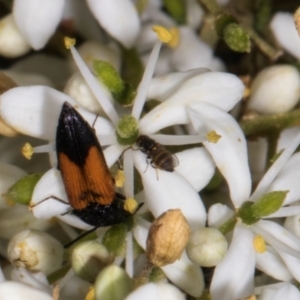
[
  {"x": 259, "y": 244},
  {"x": 119, "y": 178},
  {"x": 27, "y": 151},
  {"x": 90, "y": 295},
  {"x": 163, "y": 34},
  {"x": 175, "y": 33},
  {"x": 213, "y": 137},
  {"x": 69, "y": 42},
  {"x": 130, "y": 205}
]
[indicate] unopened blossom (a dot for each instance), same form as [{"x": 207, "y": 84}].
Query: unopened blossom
[
  {"x": 275, "y": 89},
  {"x": 264, "y": 244},
  {"x": 12, "y": 43},
  {"x": 151, "y": 291},
  {"x": 35, "y": 251}
]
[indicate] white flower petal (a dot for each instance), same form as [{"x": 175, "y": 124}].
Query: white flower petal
[
  {"x": 234, "y": 275},
  {"x": 35, "y": 111},
  {"x": 186, "y": 275},
  {"x": 271, "y": 264},
  {"x": 284, "y": 29},
  {"x": 50, "y": 184},
  {"x": 275, "y": 168},
  {"x": 195, "y": 14},
  {"x": 12, "y": 43},
  {"x": 20, "y": 291},
  {"x": 37, "y": 280},
  {"x": 218, "y": 214},
  {"x": 166, "y": 190},
  {"x": 196, "y": 166},
  {"x": 191, "y": 52},
  {"x": 221, "y": 89},
  {"x": 112, "y": 154},
  {"x": 278, "y": 291},
  {"x": 164, "y": 86},
  {"x": 292, "y": 263},
  {"x": 286, "y": 136},
  {"x": 119, "y": 18},
  {"x": 37, "y": 20},
  {"x": 292, "y": 224},
  {"x": 150, "y": 291},
  {"x": 230, "y": 152},
  {"x": 278, "y": 237},
  {"x": 288, "y": 179},
  {"x": 17, "y": 218},
  {"x": 9, "y": 174}
]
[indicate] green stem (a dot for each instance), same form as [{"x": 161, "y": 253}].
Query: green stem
[
  {"x": 262, "y": 125},
  {"x": 212, "y": 6},
  {"x": 266, "y": 48},
  {"x": 228, "y": 225}
]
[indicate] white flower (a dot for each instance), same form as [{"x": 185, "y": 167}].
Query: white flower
[
  {"x": 280, "y": 258},
  {"x": 40, "y": 99}
]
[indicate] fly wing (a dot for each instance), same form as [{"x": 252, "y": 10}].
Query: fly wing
[{"x": 81, "y": 161}]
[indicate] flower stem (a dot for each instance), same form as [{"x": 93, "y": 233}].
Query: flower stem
[{"x": 262, "y": 125}]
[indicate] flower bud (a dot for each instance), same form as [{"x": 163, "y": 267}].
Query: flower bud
[
  {"x": 206, "y": 247},
  {"x": 167, "y": 238},
  {"x": 12, "y": 43},
  {"x": 113, "y": 283},
  {"x": 89, "y": 258},
  {"x": 35, "y": 251},
  {"x": 157, "y": 291},
  {"x": 275, "y": 90}
]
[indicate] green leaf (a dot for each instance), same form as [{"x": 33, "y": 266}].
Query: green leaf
[{"x": 246, "y": 213}]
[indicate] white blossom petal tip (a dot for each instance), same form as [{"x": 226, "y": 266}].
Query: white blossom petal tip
[
  {"x": 37, "y": 20},
  {"x": 229, "y": 152},
  {"x": 119, "y": 18}
]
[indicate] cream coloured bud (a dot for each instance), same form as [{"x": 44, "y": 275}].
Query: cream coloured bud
[
  {"x": 275, "y": 89},
  {"x": 12, "y": 43},
  {"x": 89, "y": 258},
  {"x": 167, "y": 238},
  {"x": 35, "y": 251},
  {"x": 206, "y": 247}
]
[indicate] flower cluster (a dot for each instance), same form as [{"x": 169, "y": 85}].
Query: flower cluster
[{"x": 148, "y": 69}]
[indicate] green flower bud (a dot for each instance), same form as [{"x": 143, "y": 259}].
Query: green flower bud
[
  {"x": 237, "y": 38},
  {"x": 246, "y": 213},
  {"x": 89, "y": 258},
  {"x": 127, "y": 130},
  {"x": 109, "y": 76},
  {"x": 113, "y": 283},
  {"x": 22, "y": 190}
]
